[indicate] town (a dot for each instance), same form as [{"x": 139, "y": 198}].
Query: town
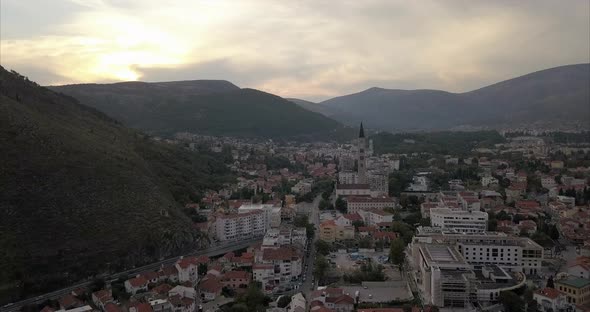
[{"x": 342, "y": 228}]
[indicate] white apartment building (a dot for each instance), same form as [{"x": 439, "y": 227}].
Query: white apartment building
[
  {"x": 459, "y": 220},
  {"x": 284, "y": 236},
  {"x": 239, "y": 226},
  {"x": 347, "y": 177},
  {"x": 276, "y": 267},
  {"x": 513, "y": 253},
  {"x": 272, "y": 214},
  {"x": 355, "y": 204},
  {"x": 372, "y": 217}
]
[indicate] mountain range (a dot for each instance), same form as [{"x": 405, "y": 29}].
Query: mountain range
[
  {"x": 211, "y": 107},
  {"x": 560, "y": 94},
  {"x": 81, "y": 193}
]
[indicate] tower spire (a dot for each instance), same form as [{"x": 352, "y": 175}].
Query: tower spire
[{"x": 361, "y": 132}]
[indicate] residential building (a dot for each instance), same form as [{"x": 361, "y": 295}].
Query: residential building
[
  {"x": 239, "y": 226},
  {"x": 136, "y": 284},
  {"x": 272, "y": 214},
  {"x": 297, "y": 304},
  {"x": 372, "y": 217},
  {"x": 576, "y": 289},
  {"x": 355, "y": 203},
  {"x": 236, "y": 279},
  {"x": 210, "y": 288},
  {"x": 331, "y": 232},
  {"x": 488, "y": 181},
  {"x": 188, "y": 270},
  {"x": 353, "y": 190},
  {"x": 277, "y": 266},
  {"x": 460, "y": 220},
  {"x": 102, "y": 297},
  {"x": 550, "y": 300},
  {"x": 580, "y": 267}
]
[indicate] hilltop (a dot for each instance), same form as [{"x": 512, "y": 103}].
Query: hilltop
[
  {"x": 80, "y": 190},
  {"x": 201, "y": 106}
]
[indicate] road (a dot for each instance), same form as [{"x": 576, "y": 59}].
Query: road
[
  {"x": 314, "y": 218},
  {"x": 212, "y": 251}
]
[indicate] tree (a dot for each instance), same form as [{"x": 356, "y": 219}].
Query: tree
[
  {"x": 202, "y": 268},
  {"x": 341, "y": 205},
  {"x": 357, "y": 224},
  {"x": 324, "y": 204},
  {"x": 284, "y": 301},
  {"x": 396, "y": 252},
  {"x": 511, "y": 301},
  {"x": 322, "y": 247},
  {"x": 550, "y": 283},
  {"x": 554, "y": 232},
  {"x": 321, "y": 266}
]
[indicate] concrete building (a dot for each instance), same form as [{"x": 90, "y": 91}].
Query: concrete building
[
  {"x": 576, "y": 289},
  {"x": 550, "y": 300},
  {"x": 276, "y": 267},
  {"x": 512, "y": 253},
  {"x": 372, "y": 217},
  {"x": 272, "y": 214},
  {"x": 355, "y": 203},
  {"x": 353, "y": 190},
  {"x": 460, "y": 220},
  {"x": 331, "y": 232},
  {"x": 239, "y": 226}
]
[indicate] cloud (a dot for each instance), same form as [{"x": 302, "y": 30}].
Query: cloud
[{"x": 309, "y": 49}]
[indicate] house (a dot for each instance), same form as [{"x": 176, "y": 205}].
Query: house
[
  {"x": 140, "y": 307},
  {"x": 161, "y": 289},
  {"x": 331, "y": 232},
  {"x": 151, "y": 276},
  {"x": 168, "y": 273},
  {"x": 236, "y": 279},
  {"x": 580, "y": 267},
  {"x": 332, "y": 299},
  {"x": 182, "y": 304},
  {"x": 47, "y": 309},
  {"x": 385, "y": 237},
  {"x": 215, "y": 270},
  {"x": 112, "y": 307},
  {"x": 210, "y": 288},
  {"x": 297, "y": 303},
  {"x": 549, "y": 299},
  {"x": 527, "y": 226},
  {"x": 576, "y": 289},
  {"x": 373, "y": 216},
  {"x": 69, "y": 302},
  {"x": 183, "y": 291},
  {"x": 188, "y": 270},
  {"x": 101, "y": 298},
  {"x": 136, "y": 284},
  {"x": 161, "y": 305}
]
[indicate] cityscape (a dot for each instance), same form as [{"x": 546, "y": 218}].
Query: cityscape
[{"x": 128, "y": 186}]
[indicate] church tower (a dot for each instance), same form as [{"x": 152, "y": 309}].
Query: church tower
[{"x": 362, "y": 161}]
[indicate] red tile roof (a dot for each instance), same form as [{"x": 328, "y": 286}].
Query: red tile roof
[
  {"x": 549, "y": 293},
  {"x": 211, "y": 285},
  {"x": 236, "y": 275},
  {"x": 142, "y": 307},
  {"x": 138, "y": 281},
  {"x": 47, "y": 309},
  {"x": 282, "y": 253},
  {"x": 111, "y": 307},
  {"x": 161, "y": 289},
  {"x": 187, "y": 261}
]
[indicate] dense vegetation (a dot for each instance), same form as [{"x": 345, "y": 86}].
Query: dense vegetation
[
  {"x": 83, "y": 194},
  {"x": 444, "y": 142},
  {"x": 166, "y": 108}
]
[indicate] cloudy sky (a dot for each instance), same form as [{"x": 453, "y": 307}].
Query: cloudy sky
[{"x": 312, "y": 49}]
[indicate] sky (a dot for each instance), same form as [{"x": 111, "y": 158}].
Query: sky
[{"x": 313, "y": 50}]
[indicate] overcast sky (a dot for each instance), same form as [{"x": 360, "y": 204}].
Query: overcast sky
[{"x": 313, "y": 49}]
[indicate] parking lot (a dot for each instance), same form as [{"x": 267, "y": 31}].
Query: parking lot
[
  {"x": 352, "y": 261},
  {"x": 380, "y": 291}
]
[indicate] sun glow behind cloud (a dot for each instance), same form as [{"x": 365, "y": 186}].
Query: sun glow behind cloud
[{"x": 304, "y": 48}]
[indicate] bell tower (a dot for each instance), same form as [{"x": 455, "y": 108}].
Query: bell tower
[{"x": 362, "y": 161}]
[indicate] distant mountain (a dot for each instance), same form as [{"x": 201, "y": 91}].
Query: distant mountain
[
  {"x": 553, "y": 95},
  {"x": 80, "y": 192},
  {"x": 208, "y": 107}
]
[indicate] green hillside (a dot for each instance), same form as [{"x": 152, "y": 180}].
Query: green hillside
[
  {"x": 164, "y": 109},
  {"x": 80, "y": 193}
]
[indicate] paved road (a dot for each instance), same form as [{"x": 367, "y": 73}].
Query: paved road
[
  {"x": 212, "y": 251},
  {"x": 314, "y": 217}
]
